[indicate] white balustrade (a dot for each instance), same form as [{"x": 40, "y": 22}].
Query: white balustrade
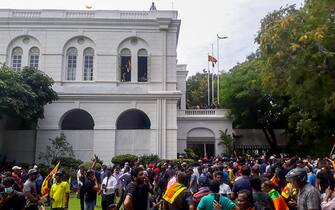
[
  {"x": 202, "y": 112},
  {"x": 26, "y": 14}
]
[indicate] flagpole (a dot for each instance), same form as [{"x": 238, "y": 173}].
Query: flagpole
[
  {"x": 208, "y": 95},
  {"x": 218, "y": 76},
  {"x": 213, "y": 76}
]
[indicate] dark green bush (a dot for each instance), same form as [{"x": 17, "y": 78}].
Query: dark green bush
[
  {"x": 146, "y": 159},
  {"x": 87, "y": 165},
  {"x": 180, "y": 161},
  {"x": 67, "y": 162},
  {"x": 44, "y": 169},
  {"x": 121, "y": 159}
]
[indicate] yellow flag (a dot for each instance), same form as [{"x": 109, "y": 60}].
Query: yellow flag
[{"x": 45, "y": 185}]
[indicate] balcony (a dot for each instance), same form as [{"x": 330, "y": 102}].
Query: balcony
[{"x": 203, "y": 113}]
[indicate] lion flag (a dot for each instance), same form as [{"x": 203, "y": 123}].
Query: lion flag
[{"x": 45, "y": 185}]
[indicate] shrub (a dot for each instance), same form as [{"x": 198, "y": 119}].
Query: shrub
[
  {"x": 67, "y": 162},
  {"x": 121, "y": 159},
  {"x": 44, "y": 169},
  {"x": 87, "y": 165},
  {"x": 146, "y": 159},
  {"x": 180, "y": 161},
  {"x": 59, "y": 147}
]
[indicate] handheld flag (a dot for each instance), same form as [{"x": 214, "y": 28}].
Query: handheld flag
[{"x": 45, "y": 185}]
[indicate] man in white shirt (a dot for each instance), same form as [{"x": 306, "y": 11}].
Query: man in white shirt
[
  {"x": 224, "y": 188},
  {"x": 108, "y": 186}
]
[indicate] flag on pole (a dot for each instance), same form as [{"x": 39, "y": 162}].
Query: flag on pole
[
  {"x": 45, "y": 185},
  {"x": 212, "y": 59}
]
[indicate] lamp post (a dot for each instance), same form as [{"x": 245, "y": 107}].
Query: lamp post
[{"x": 218, "y": 76}]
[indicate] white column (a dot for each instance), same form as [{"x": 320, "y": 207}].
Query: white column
[{"x": 164, "y": 62}]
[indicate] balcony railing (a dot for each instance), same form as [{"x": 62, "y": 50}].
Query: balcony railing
[{"x": 203, "y": 112}]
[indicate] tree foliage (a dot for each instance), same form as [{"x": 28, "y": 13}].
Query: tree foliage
[
  {"x": 297, "y": 47},
  {"x": 197, "y": 89},
  {"x": 23, "y": 94},
  {"x": 58, "y": 149},
  {"x": 249, "y": 104},
  {"x": 227, "y": 140}
]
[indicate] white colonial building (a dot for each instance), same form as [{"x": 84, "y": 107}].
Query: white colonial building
[{"x": 120, "y": 88}]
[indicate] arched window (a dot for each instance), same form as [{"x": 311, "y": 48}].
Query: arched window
[
  {"x": 142, "y": 65},
  {"x": 88, "y": 63},
  {"x": 17, "y": 58},
  {"x": 77, "y": 119},
  {"x": 133, "y": 119},
  {"x": 34, "y": 56},
  {"x": 71, "y": 56},
  {"x": 125, "y": 65}
]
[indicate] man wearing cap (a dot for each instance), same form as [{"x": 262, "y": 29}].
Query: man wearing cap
[
  {"x": 60, "y": 193},
  {"x": 16, "y": 174},
  {"x": 308, "y": 197},
  {"x": 30, "y": 191}
]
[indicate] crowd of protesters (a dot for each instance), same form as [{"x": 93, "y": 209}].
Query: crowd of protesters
[{"x": 244, "y": 183}]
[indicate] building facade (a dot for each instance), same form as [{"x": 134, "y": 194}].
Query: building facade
[{"x": 119, "y": 86}]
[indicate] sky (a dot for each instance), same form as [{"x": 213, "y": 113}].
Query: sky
[{"x": 202, "y": 20}]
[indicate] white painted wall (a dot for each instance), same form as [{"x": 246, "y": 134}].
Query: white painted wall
[{"x": 185, "y": 125}]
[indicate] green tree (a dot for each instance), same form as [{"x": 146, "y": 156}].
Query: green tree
[
  {"x": 23, "y": 94},
  {"x": 249, "y": 104},
  {"x": 297, "y": 47},
  {"x": 197, "y": 89},
  {"x": 227, "y": 140},
  {"x": 58, "y": 149}
]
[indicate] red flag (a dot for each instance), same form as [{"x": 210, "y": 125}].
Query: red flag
[{"x": 212, "y": 59}]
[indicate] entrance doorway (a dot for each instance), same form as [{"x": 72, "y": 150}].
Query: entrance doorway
[
  {"x": 201, "y": 141},
  {"x": 202, "y": 149}
]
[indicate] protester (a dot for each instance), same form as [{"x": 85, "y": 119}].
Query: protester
[
  {"x": 177, "y": 195},
  {"x": 207, "y": 202},
  {"x": 108, "y": 187},
  {"x": 60, "y": 192},
  {"x": 136, "y": 191},
  {"x": 11, "y": 199},
  {"x": 91, "y": 188},
  {"x": 30, "y": 191},
  {"x": 309, "y": 197}
]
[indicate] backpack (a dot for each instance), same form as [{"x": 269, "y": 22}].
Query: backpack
[{"x": 197, "y": 196}]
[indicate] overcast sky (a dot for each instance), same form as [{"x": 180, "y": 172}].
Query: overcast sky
[{"x": 201, "y": 21}]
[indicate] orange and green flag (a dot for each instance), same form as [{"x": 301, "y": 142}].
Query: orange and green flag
[
  {"x": 45, "y": 185},
  {"x": 173, "y": 191},
  {"x": 278, "y": 201}
]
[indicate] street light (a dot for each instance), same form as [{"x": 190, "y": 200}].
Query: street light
[{"x": 218, "y": 77}]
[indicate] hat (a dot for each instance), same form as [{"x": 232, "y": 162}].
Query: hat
[
  {"x": 150, "y": 165},
  {"x": 16, "y": 168},
  {"x": 296, "y": 173},
  {"x": 32, "y": 171}
]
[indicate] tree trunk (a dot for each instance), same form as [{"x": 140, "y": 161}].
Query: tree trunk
[{"x": 270, "y": 137}]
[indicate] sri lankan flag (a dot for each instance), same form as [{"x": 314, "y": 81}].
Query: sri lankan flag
[
  {"x": 278, "y": 201},
  {"x": 45, "y": 185},
  {"x": 173, "y": 191},
  {"x": 212, "y": 59}
]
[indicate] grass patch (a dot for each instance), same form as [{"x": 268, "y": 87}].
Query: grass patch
[{"x": 74, "y": 203}]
